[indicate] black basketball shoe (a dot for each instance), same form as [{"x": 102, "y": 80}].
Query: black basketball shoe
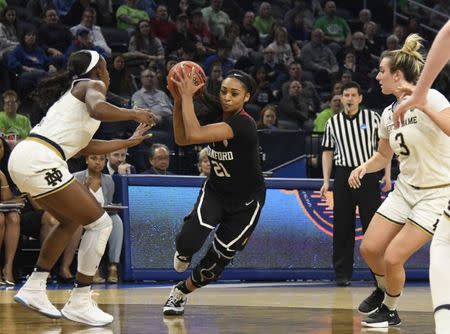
[
  {"x": 383, "y": 317},
  {"x": 175, "y": 304},
  {"x": 372, "y": 303}
]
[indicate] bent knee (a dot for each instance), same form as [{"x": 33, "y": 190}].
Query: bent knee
[
  {"x": 370, "y": 249},
  {"x": 393, "y": 259}
]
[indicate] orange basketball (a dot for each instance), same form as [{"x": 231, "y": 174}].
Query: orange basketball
[{"x": 199, "y": 75}]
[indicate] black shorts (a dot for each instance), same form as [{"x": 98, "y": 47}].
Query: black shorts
[{"x": 236, "y": 218}]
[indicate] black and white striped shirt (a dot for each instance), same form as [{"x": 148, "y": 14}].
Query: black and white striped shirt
[{"x": 353, "y": 140}]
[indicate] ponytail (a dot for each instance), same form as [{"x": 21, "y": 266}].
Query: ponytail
[
  {"x": 408, "y": 59},
  {"x": 50, "y": 89}
]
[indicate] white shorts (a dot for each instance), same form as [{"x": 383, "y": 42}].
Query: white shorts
[
  {"x": 443, "y": 230},
  {"x": 38, "y": 168},
  {"x": 421, "y": 207}
]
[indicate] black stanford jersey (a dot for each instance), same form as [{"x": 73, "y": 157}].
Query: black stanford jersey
[{"x": 235, "y": 163}]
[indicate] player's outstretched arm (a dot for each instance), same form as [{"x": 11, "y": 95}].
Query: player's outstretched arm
[
  {"x": 436, "y": 59},
  {"x": 97, "y": 146},
  {"x": 103, "y": 111}
]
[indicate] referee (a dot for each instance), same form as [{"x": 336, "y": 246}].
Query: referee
[{"x": 350, "y": 139}]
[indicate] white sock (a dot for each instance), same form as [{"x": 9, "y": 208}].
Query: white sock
[
  {"x": 391, "y": 301},
  {"x": 442, "y": 321},
  {"x": 380, "y": 282}
]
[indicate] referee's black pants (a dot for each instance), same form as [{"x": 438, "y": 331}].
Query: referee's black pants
[{"x": 367, "y": 198}]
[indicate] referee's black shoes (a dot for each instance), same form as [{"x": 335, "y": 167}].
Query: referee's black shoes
[
  {"x": 384, "y": 317},
  {"x": 372, "y": 303}
]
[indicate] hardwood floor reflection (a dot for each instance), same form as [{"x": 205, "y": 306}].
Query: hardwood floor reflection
[{"x": 228, "y": 308}]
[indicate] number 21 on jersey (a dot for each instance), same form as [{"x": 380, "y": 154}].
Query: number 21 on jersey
[{"x": 220, "y": 169}]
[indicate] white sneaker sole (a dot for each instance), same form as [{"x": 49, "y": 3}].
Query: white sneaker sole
[
  {"x": 383, "y": 324},
  {"x": 24, "y": 302},
  {"x": 71, "y": 317}
]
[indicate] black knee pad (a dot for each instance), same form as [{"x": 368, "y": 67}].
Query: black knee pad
[{"x": 210, "y": 267}]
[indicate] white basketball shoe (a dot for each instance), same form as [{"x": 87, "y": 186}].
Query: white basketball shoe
[
  {"x": 33, "y": 295},
  {"x": 82, "y": 308}
]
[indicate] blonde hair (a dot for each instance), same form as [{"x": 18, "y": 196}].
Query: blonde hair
[
  {"x": 408, "y": 59},
  {"x": 202, "y": 155}
]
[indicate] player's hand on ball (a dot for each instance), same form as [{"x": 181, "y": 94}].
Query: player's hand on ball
[{"x": 185, "y": 82}]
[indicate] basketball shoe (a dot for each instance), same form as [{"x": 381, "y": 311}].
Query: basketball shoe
[
  {"x": 82, "y": 308},
  {"x": 372, "y": 303},
  {"x": 175, "y": 304},
  {"x": 383, "y": 317},
  {"x": 33, "y": 294}
]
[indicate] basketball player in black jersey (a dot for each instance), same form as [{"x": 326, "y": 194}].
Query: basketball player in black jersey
[{"x": 232, "y": 197}]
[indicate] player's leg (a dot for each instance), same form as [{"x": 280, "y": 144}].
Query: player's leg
[
  {"x": 71, "y": 206},
  {"x": 384, "y": 226},
  {"x": 440, "y": 274},
  {"x": 204, "y": 217},
  {"x": 373, "y": 246},
  {"x": 402, "y": 247},
  {"x": 231, "y": 236}
]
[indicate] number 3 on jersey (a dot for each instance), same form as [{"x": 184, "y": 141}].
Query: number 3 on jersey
[
  {"x": 405, "y": 149},
  {"x": 220, "y": 169}
]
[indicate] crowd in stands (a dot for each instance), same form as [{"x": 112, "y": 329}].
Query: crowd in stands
[{"x": 299, "y": 52}]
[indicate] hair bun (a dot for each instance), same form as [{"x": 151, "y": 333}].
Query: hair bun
[{"x": 412, "y": 45}]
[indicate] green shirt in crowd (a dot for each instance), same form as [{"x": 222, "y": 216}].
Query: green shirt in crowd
[
  {"x": 3, "y": 4},
  {"x": 335, "y": 29},
  {"x": 14, "y": 129},
  {"x": 135, "y": 14},
  {"x": 321, "y": 119}
]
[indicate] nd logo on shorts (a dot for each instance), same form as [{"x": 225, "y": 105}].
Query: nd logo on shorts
[
  {"x": 320, "y": 211},
  {"x": 53, "y": 177}
]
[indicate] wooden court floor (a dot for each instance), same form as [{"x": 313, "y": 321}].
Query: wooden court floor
[{"x": 278, "y": 308}]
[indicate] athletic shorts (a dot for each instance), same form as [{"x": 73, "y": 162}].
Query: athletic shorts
[
  {"x": 443, "y": 230},
  {"x": 421, "y": 207},
  {"x": 38, "y": 168}
]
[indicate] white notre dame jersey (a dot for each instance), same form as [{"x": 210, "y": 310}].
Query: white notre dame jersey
[
  {"x": 68, "y": 124},
  {"x": 422, "y": 148}
]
